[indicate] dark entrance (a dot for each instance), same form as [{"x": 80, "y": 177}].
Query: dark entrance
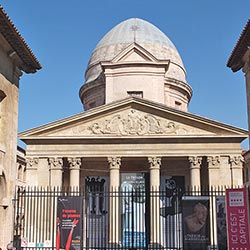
[{"x": 135, "y": 219}]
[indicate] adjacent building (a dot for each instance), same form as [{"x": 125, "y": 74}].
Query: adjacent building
[
  {"x": 240, "y": 60},
  {"x": 15, "y": 58}
]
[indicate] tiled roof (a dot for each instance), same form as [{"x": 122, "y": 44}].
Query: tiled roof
[
  {"x": 235, "y": 60},
  {"x": 18, "y": 44}
]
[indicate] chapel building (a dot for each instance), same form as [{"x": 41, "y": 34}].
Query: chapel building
[
  {"x": 136, "y": 120},
  {"x": 126, "y": 162}
]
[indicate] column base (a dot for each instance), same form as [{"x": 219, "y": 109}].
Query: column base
[
  {"x": 114, "y": 246},
  {"x": 155, "y": 246}
]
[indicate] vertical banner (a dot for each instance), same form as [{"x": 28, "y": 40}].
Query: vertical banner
[
  {"x": 238, "y": 218},
  {"x": 69, "y": 223},
  {"x": 133, "y": 209},
  {"x": 221, "y": 222},
  {"x": 196, "y": 225}
]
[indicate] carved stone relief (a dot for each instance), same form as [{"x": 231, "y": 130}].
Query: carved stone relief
[
  {"x": 135, "y": 123},
  {"x": 131, "y": 123}
]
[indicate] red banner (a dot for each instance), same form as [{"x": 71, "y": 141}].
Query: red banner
[{"x": 237, "y": 219}]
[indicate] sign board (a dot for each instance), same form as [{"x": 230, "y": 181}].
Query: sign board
[
  {"x": 237, "y": 218},
  {"x": 221, "y": 222},
  {"x": 196, "y": 226},
  {"x": 24, "y": 242},
  {"x": 133, "y": 226},
  {"x": 69, "y": 223}
]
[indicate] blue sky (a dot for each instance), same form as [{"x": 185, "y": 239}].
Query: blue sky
[{"x": 62, "y": 35}]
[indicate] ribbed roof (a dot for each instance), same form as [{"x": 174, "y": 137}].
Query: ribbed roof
[
  {"x": 16, "y": 41},
  {"x": 133, "y": 30}
]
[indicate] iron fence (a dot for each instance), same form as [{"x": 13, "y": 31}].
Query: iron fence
[{"x": 191, "y": 218}]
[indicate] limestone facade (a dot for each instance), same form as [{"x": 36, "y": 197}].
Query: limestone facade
[
  {"x": 136, "y": 132},
  {"x": 136, "y": 99}
]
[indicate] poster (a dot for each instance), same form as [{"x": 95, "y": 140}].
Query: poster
[
  {"x": 97, "y": 219},
  {"x": 238, "y": 218},
  {"x": 133, "y": 209},
  {"x": 221, "y": 222},
  {"x": 69, "y": 223},
  {"x": 172, "y": 189},
  {"x": 196, "y": 226}
]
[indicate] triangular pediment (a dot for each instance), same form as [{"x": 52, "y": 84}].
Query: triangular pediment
[
  {"x": 134, "y": 53},
  {"x": 133, "y": 117}
]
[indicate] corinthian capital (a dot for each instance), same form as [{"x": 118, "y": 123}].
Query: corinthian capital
[
  {"x": 55, "y": 163},
  {"x": 236, "y": 161},
  {"x": 31, "y": 162},
  {"x": 213, "y": 161},
  {"x": 155, "y": 162},
  {"x": 195, "y": 161},
  {"x": 74, "y": 162},
  {"x": 114, "y": 162}
]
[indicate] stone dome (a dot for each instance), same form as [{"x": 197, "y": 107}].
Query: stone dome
[
  {"x": 127, "y": 32},
  {"x": 166, "y": 74}
]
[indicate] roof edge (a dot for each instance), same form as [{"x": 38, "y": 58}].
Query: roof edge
[
  {"x": 235, "y": 60},
  {"x": 17, "y": 42},
  {"x": 128, "y": 101}
]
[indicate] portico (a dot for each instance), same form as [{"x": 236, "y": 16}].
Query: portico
[{"x": 139, "y": 135}]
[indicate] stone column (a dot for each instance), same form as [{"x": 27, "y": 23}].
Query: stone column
[
  {"x": 236, "y": 165},
  {"x": 214, "y": 181},
  {"x": 74, "y": 171},
  {"x": 114, "y": 211},
  {"x": 56, "y": 170},
  {"x": 195, "y": 166},
  {"x": 213, "y": 170},
  {"x": 154, "y": 171},
  {"x": 31, "y": 171}
]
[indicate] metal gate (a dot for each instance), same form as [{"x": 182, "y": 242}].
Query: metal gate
[{"x": 139, "y": 220}]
